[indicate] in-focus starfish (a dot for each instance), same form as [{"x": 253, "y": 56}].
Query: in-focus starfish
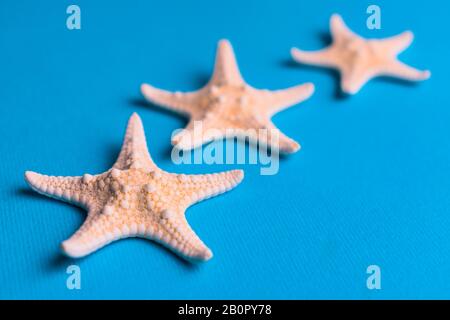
[
  {"x": 135, "y": 199},
  {"x": 227, "y": 106},
  {"x": 358, "y": 60}
]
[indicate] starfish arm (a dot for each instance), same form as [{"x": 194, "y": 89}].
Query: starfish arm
[
  {"x": 173, "y": 230},
  {"x": 69, "y": 189},
  {"x": 134, "y": 152},
  {"x": 322, "y": 57},
  {"x": 277, "y": 141},
  {"x": 195, "y": 188},
  {"x": 352, "y": 80},
  {"x": 226, "y": 70},
  {"x": 197, "y": 133},
  {"x": 97, "y": 231},
  {"x": 400, "y": 70},
  {"x": 396, "y": 44},
  {"x": 184, "y": 103},
  {"x": 327, "y": 57},
  {"x": 275, "y": 101},
  {"x": 175, "y": 233},
  {"x": 105, "y": 226},
  {"x": 183, "y": 138},
  {"x": 339, "y": 30}
]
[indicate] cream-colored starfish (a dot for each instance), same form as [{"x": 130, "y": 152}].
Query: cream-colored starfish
[
  {"x": 135, "y": 199},
  {"x": 359, "y": 60},
  {"x": 227, "y": 106}
]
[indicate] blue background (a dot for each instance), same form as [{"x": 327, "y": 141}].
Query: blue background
[{"x": 371, "y": 184}]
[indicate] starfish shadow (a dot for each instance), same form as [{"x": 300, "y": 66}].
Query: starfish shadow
[
  {"x": 60, "y": 260},
  {"x": 147, "y": 105},
  {"x": 254, "y": 146},
  {"x": 26, "y": 192},
  {"x": 396, "y": 81},
  {"x": 167, "y": 152},
  {"x": 165, "y": 250},
  {"x": 201, "y": 79},
  {"x": 112, "y": 152}
]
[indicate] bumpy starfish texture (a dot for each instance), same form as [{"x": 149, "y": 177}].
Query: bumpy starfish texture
[
  {"x": 227, "y": 106},
  {"x": 359, "y": 60},
  {"x": 135, "y": 199}
]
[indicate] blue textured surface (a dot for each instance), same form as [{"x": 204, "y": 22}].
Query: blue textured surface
[{"x": 370, "y": 186}]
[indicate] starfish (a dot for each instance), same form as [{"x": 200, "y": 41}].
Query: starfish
[
  {"x": 358, "y": 60},
  {"x": 135, "y": 198},
  {"x": 228, "y": 107}
]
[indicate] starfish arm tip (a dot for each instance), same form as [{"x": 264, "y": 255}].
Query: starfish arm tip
[
  {"x": 152, "y": 93},
  {"x": 298, "y": 54},
  {"x": 396, "y": 44},
  {"x": 71, "y": 250},
  {"x": 178, "y": 137},
  {"x": 186, "y": 140},
  {"x": 36, "y": 181},
  {"x": 143, "y": 87},
  {"x": 310, "y": 88},
  {"x": 147, "y": 90},
  {"x": 279, "y": 100},
  {"x": 336, "y": 16},
  {"x": 426, "y": 74},
  {"x": 404, "y": 71},
  {"x": 339, "y": 29},
  {"x": 296, "y": 146},
  {"x": 30, "y": 177},
  {"x": 135, "y": 117},
  {"x": 200, "y": 256},
  {"x": 407, "y": 37},
  {"x": 409, "y": 34},
  {"x": 336, "y": 20},
  {"x": 292, "y": 147},
  {"x": 208, "y": 255},
  {"x": 224, "y": 42},
  {"x": 181, "y": 144},
  {"x": 226, "y": 69},
  {"x": 350, "y": 89},
  {"x": 57, "y": 187},
  {"x": 238, "y": 175}
]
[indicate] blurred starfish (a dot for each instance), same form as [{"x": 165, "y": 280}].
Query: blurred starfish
[
  {"x": 135, "y": 199},
  {"x": 359, "y": 60},
  {"x": 227, "y": 106}
]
